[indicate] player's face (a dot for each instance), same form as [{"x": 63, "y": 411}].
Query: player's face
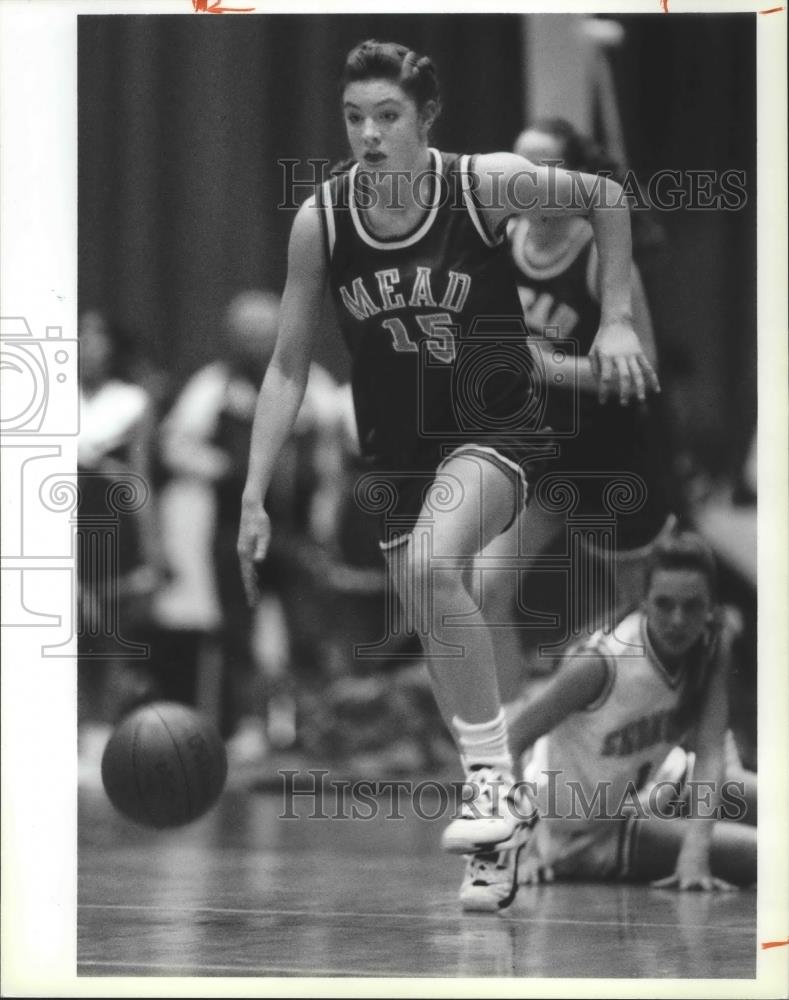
[
  {"x": 385, "y": 130},
  {"x": 539, "y": 147},
  {"x": 678, "y": 607}
]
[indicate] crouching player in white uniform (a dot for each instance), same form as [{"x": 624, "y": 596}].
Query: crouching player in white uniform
[{"x": 599, "y": 732}]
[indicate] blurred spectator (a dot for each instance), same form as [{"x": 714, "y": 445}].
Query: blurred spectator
[
  {"x": 118, "y": 579},
  {"x": 205, "y": 439}
]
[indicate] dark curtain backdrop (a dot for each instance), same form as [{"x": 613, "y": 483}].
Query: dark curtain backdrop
[
  {"x": 687, "y": 92},
  {"x": 182, "y": 121}
]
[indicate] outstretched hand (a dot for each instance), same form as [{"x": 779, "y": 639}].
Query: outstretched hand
[
  {"x": 254, "y": 535},
  {"x": 699, "y": 882},
  {"x": 617, "y": 357}
]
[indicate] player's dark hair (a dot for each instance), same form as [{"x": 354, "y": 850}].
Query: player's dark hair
[
  {"x": 578, "y": 151},
  {"x": 685, "y": 550},
  {"x": 374, "y": 60}
]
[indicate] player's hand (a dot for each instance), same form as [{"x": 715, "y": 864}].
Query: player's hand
[
  {"x": 254, "y": 535},
  {"x": 700, "y": 881},
  {"x": 618, "y": 361}
]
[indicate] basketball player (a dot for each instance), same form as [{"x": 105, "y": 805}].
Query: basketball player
[
  {"x": 601, "y": 728},
  {"x": 558, "y": 275},
  {"x": 557, "y": 272},
  {"x": 410, "y": 241}
]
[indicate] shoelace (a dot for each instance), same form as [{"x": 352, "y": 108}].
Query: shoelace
[{"x": 490, "y": 785}]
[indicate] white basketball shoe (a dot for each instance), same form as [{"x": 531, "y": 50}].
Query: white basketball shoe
[
  {"x": 493, "y": 812},
  {"x": 491, "y": 879}
]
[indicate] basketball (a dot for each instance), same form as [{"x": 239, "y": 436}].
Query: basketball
[{"x": 164, "y": 766}]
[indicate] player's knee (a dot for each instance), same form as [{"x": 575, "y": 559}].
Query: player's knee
[
  {"x": 498, "y": 592},
  {"x": 446, "y": 589}
]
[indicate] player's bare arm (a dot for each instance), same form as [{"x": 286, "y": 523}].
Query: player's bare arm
[
  {"x": 511, "y": 185},
  {"x": 576, "y": 684},
  {"x": 693, "y": 864},
  {"x": 284, "y": 385}
]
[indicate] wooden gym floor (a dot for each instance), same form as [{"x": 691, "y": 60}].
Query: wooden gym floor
[{"x": 244, "y": 893}]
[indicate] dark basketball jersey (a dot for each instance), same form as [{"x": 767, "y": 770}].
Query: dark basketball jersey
[
  {"x": 557, "y": 301},
  {"x": 432, "y": 321},
  {"x": 555, "y": 297}
]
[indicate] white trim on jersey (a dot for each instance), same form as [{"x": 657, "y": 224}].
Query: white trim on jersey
[
  {"x": 328, "y": 213},
  {"x": 465, "y": 182},
  {"x": 331, "y": 230},
  {"x": 469, "y": 448},
  {"x": 394, "y": 542},
  {"x": 518, "y": 235},
  {"x": 486, "y": 449},
  {"x": 416, "y": 236}
]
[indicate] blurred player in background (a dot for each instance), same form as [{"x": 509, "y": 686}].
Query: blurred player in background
[
  {"x": 558, "y": 275},
  {"x": 603, "y": 726},
  {"x": 206, "y": 437},
  {"x": 413, "y": 271},
  {"x": 115, "y": 447}
]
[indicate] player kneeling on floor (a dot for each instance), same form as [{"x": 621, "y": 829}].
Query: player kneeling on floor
[{"x": 601, "y": 728}]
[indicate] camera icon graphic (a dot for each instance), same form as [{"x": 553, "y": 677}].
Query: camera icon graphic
[{"x": 39, "y": 380}]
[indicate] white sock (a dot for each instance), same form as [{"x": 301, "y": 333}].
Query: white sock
[{"x": 484, "y": 744}]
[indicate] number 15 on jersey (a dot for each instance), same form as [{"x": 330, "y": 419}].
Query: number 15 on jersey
[{"x": 439, "y": 331}]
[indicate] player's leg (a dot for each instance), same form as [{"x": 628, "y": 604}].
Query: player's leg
[
  {"x": 496, "y": 583},
  {"x": 619, "y": 473},
  {"x": 657, "y": 842},
  {"x": 470, "y": 502},
  {"x": 668, "y": 792},
  {"x": 473, "y": 499},
  {"x": 462, "y": 661}
]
